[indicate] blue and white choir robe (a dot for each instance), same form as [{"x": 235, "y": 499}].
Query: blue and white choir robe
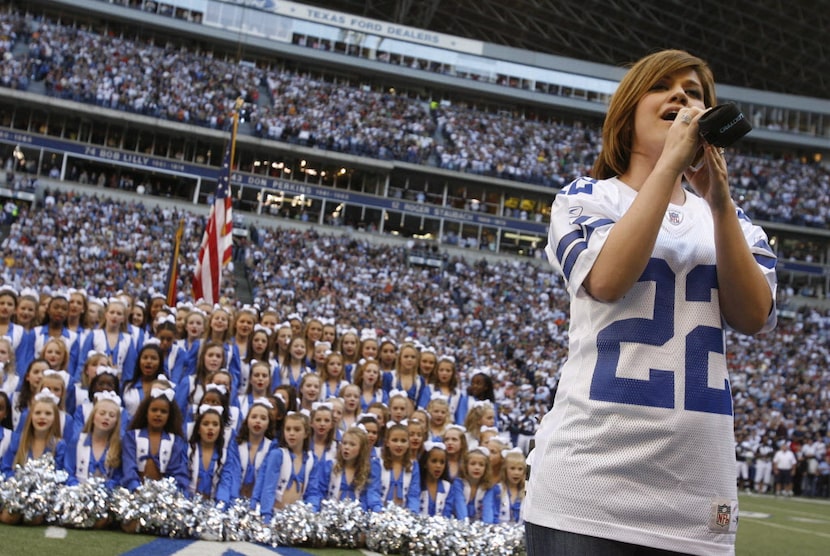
[
  {"x": 5, "y": 441},
  {"x": 325, "y": 483},
  {"x": 76, "y": 394},
  {"x": 23, "y": 344},
  {"x": 507, "y": 510},
  {"x": 457, "y": 401},
  {"x": 209, "y": 483},
  {"x": 277, "y": 475},
  {"x": 327, "y": 392},
  {"x": 67, "y": 423},
  {"x": 406, "y": 487},
  {"x": 81, "y": 464},
  {"x": 137, "y": 335},
  {"x": 174, "y": 363},
  {"x": 171, "y": 460},
  {"x": 379, "y": 396},
  {"x": 419, "y": 392},
  {"x": 10, "y": 384},
  {"x": 448, "y": 502},
  {"x": 84, "y": 410},
  {"x": 330, "y": 453},
  {"x": 248, "y": 468},
  {"x": 7, "y": 466},
  {"x": 482, "y": 506},
  {"x": 233, "y": 363},
  {"x": 70, "y": 339},
  {"x": 122, "y": 357},
  {"x": 230, "y": 430}
]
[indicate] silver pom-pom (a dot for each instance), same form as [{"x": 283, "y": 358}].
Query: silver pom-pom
[
  {"x": 298, "y": 524},
  {"x": 85, "y": 505},
  {"x": 244, "y": 524},
  {"x": 344, "y": 523},
  {"x": 398, "y": 531},
  {"x": 34, "y": 490},
  {"x": 389, "y": 532},
  {"x": 157, "y": 507}
]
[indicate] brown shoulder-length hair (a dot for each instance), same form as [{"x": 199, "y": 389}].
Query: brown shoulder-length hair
[{"x": 618, "y": 129}]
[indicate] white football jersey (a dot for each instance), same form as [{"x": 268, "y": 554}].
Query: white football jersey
[{"x": 639, "y": 445}]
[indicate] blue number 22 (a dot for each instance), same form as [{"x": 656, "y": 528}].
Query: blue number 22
[{"x": 658, "y": 390}]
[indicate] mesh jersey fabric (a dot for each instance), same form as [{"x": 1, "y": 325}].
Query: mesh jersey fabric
[{"x": 639, "y": 445}]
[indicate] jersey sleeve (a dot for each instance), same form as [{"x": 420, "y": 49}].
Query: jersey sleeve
[
  {"x": 582, "y": 216},
  {"x": 765, "y": 258}
]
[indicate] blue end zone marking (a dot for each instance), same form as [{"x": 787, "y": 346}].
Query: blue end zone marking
[{"x": 169, "y": 547}]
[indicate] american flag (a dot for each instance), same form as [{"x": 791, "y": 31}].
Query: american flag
[{"x": 215, "y": 251}]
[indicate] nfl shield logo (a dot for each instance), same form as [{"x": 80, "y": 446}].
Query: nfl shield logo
[
  {"x": 724, "y": 515},
  {"x": 675, "y": 217}
]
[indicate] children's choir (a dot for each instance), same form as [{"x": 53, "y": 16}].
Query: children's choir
[{"x": 233, "y": 405}]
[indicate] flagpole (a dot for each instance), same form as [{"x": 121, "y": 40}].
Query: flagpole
[
  {"x": 236, "y": 108},
  {"x": 173, "y": 270},
  {"x": 217, "y": 242}
]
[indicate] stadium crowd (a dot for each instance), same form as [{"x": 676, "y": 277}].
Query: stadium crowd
[
  {"x": 509, "y": 333},
  {"x": 466, "y": 359},
  {"x": 176, "y": 83}
]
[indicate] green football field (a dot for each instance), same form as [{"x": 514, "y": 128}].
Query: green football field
[{"x": 768, "y": 527}]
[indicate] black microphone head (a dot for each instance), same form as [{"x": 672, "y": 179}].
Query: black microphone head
[{"x": 723, "y": 125}]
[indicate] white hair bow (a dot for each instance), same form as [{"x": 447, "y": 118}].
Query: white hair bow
[
  {"x": 105, "y": 370},
  {"x": 264, "y": 402},
  {"x": 207, "y": 407},
  {"x": 221, "y": 388},
  {"x": 368, "y": 334},
  {"x": 29, "y": 292},
  {"x": 439, "y": 396},
  {"x": 107, "y": 395},
  {"x": 92, "y": 353},
  {"x": 516, "y": 450},
  {"x": 9, "y": 289},
  {"x": 47, "y": 396},
  {"x": 168, "y": 393},
  {"x": 429, "y": 446},
  {"x": 64, "y": 376},
  {"x": 62, "y": 294}
]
